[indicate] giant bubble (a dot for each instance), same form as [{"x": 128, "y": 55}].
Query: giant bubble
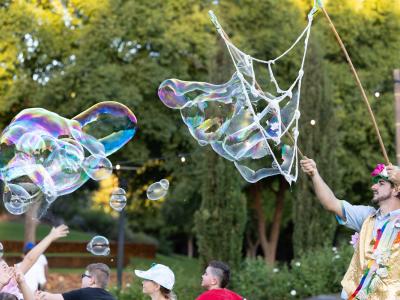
[{"x": 44, "y": 156}]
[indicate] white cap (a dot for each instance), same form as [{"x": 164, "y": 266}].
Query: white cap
[{"x": 160, "y": 274}]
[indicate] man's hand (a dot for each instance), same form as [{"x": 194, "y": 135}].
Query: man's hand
[
  {"x": 393, "y": 174},
  {"x": 58, "y": 232},
  {"x": 308, "y": 166}
]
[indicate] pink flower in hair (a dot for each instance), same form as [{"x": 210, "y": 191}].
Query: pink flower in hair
[{"x": 379, "y": 170}]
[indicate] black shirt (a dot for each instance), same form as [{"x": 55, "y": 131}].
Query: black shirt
[{"x": 88, "y": 294}]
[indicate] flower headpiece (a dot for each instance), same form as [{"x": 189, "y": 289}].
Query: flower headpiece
[{"x": 379, "y": 172}]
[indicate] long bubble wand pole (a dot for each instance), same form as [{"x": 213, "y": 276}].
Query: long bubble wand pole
[{"x": 364, "y": 95}]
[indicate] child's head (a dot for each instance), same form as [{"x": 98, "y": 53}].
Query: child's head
[
  {"x": 216, "y": 275},
  {"x": 7, "y": 296}
]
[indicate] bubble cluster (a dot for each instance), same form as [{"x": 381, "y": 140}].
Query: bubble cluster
[
  {"x": 158, "y": 189},
  {"x": 1, "y": 250},
  {"x": 220, "y": 116},
  {"x": 44, "y": 156},
  {"x": 99, "y": 245},
  {"x": 118, "y": 199}
]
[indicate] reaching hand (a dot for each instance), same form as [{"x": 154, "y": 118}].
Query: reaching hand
[
  {"x": 3, "y": 265},
  {"x": 39, "y": 295},
  {"x": 393, "y": 174},
  {"x": 59, "y": 232},
  {"x": 6, "y": 273},
  {"x": 19, "y": 276},
  {"x": 308, "y": 166}
]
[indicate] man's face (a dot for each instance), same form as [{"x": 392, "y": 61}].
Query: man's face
[
  {"x": 208, "y": 279},
  {"x": 87, "y": 279},
  {"x": 382, "y": 191}
]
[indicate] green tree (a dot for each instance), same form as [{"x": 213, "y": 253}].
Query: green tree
[
  {"x": 318, "y": 140},
  {"x": 221, "y": 219},
  {"x": 370, "y": 32}
]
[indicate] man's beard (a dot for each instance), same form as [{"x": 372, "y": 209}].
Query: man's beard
[{"x": 380, "y": 198}]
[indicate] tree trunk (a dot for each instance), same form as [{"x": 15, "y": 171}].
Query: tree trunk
[
  {"x": 269, "y": 244},
  {"x": 252, "y": 246},
  {"x": 190, "y": 246},
  {"x": 31, "y": 223},
  {"x": 261, "y": 226},
  {"x": 276, "y": 221}
]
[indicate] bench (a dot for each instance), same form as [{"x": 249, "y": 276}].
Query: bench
[{"x": 75, "y": 255}]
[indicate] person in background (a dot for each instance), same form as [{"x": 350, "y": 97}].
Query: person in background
[
  {"x": 30, "y": 258},
  {"x": 215, "y": 280},
  {"x": 158, "y": 282},
  {"x": 13, "y": 273},
  {"x": 94, "y": 282}
]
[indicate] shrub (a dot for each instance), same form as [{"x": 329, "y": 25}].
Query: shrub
[{"x": 316, "y": 272}]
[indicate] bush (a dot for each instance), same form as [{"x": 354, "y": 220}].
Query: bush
[
  {"x": 316, "y": 272},
  {"x": 133, "y": 291}
]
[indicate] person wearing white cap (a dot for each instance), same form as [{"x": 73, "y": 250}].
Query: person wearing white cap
[{"x": 158, "y": 282}]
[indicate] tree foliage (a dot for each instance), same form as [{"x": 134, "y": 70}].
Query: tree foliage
[{"x": 68, "y": 55}]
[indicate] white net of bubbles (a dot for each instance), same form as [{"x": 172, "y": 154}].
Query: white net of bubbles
[{"x": 255, "y": 129}]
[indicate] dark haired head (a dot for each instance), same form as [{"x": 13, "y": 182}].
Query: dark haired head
[
  {"x": 220, "y": 270},
  {"x": 7, "y": 296},
  {"x": 167, "y": 294}
]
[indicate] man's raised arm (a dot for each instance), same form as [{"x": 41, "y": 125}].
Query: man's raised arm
[{"x": 322, "y": 190}]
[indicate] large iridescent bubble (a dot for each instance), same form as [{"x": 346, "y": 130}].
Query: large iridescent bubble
[
  {"x": 220, "y": 116},
  {"x": 44, "y": 156}
]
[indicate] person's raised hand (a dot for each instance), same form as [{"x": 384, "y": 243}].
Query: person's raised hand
[
  {"x": 393, "y": 174},
  {"x": 6, "y": 273},
  {"x": 19, "y": 276},
  {"x": 3, "y": 265},
  {"x": 59, "y": 232},
  {"x": 308, "y": 166}
]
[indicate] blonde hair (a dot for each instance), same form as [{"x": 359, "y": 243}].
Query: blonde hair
[{"x": 101, "y": 274}]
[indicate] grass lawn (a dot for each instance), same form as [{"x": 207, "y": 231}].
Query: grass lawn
[{"x": 14, "y": 231}]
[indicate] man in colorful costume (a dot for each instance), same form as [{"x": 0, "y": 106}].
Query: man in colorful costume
[{"x": 374, "y": 271}]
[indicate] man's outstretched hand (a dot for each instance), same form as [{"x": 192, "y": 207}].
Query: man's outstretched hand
[
  {"x": 308, "y": 166},
  {"x": 393, "y": 174}
]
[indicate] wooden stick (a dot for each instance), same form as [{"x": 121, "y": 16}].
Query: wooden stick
[{"x": 364, "y": 96}]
